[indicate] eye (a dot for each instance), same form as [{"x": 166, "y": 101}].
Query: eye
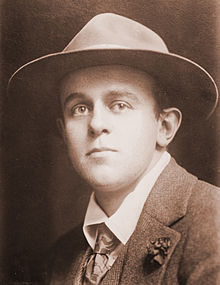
[
  {"x": 79, "y": 110},
  {"x": 120, "y": 106}
]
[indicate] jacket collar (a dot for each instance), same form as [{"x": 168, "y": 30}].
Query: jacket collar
[{"x": 169, "y": 197}]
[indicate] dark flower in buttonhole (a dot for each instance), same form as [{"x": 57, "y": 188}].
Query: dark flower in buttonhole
[{"x": 157, "y": 250}]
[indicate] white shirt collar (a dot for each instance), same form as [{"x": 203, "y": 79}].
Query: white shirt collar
[{"x": 123, "y": 222}]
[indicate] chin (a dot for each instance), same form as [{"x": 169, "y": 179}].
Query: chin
[{"x": 101, "y": 180}]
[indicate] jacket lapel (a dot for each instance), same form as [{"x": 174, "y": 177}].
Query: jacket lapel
[
  {"x": 139, "y": 269},
  {"x": 166, "y": 204},
  {"x": 77, "y": 272}
]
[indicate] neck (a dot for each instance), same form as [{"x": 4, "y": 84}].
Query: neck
[{"x": 111, "y": 200}]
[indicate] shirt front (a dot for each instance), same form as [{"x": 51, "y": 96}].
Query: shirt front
[{"x": 123, "y": 222}]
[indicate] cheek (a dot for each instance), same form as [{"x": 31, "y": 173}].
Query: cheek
[
  {"x": 140, "y": 146},
  {"x": 75, "y": 135},
  {"x": 138, "y": 131}
]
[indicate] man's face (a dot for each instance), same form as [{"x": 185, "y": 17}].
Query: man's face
[{"x": 110, "y": 126}]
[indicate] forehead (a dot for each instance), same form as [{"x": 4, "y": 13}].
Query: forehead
[{"x": 106, "y": 78}]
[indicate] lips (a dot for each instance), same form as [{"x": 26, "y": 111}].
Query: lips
[{"x": 101, "y": 149}]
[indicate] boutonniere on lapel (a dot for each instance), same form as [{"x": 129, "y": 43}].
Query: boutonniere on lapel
[{"x": 157, "y": 250}]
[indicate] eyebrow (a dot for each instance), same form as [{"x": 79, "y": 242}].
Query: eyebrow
[
  {"x": 112, "y": 94},
  {"x": 72, "y": 96},
  {"x": 123, "y": 93}
]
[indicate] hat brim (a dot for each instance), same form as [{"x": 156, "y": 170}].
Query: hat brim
[{"x": 32, "y": 88}]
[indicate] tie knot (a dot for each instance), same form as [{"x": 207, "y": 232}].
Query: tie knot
[{"x": 106, "y": 241}]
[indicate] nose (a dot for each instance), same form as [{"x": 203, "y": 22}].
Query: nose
[{"x": 99, "y": 122}]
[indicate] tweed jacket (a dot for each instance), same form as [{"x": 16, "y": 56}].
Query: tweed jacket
[{"x": 180, "y": 208}]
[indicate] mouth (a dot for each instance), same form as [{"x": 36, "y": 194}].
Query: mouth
[{"x": 100, "y": 150}]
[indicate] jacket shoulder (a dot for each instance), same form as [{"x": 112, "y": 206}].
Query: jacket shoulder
[
  {"x": 205, "y": 197},
  {"x": 64, "y": 251},
  {"x": 201, "y": 255}
]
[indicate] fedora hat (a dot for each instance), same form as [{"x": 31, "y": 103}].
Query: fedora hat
[{"x": 105, "y": 40}]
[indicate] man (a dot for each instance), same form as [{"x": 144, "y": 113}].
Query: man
[{"x": 122, "y": 97}]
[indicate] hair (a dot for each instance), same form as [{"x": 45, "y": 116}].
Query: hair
[{"x": 161, "y": 98}]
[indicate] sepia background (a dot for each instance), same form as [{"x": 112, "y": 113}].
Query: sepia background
[{"x": 42, "y": 197}]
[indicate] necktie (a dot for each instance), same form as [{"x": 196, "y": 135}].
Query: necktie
[{"x": 105, "y": 253}]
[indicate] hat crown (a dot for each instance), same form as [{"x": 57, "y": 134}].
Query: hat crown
[{"x": 114, "y": 31}]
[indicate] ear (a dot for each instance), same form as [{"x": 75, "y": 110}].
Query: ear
[
  {"x": 61, "y": 128},
  {"x": 169, "y": 122}
]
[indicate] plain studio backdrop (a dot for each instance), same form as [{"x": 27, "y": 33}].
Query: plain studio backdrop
[{"x": 42, "y": 197}]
